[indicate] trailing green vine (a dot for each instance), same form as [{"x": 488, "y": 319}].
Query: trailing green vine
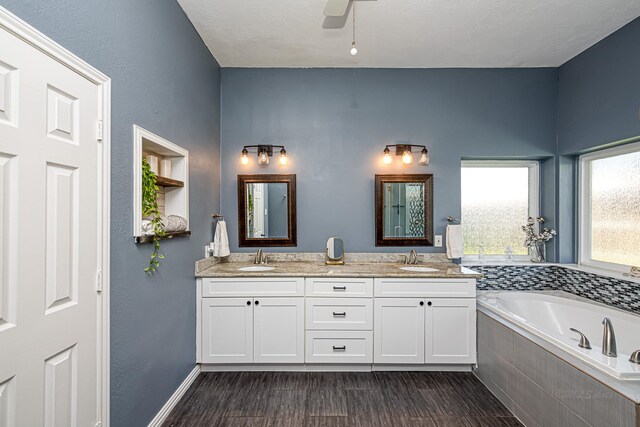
[{"x": 150, "y": 209}]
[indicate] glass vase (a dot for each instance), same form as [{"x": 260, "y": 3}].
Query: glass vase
[{"x": 536, "y": 251}]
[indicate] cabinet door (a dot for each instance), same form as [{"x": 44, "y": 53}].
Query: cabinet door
[
  {"x": 398, "y": 330},
  {"x": 451, "y": 330},
  {"x": 278, "y": 332},
  {"x": 227, "y": 330}
]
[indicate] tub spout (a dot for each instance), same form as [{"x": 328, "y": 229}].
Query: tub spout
[{"x": 608, "y": 339}]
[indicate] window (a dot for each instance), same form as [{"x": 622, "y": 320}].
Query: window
[
  {"x": 497, "y": 199},
  {"x": 610, "y": 208}
]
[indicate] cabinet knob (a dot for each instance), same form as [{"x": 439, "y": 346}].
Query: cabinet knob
[
  {"x": 421, "y": 302},
  {"x": 248, "y": 302},
  {"x": 258, "y": 302},
  {"x": 429, "y": 303}
]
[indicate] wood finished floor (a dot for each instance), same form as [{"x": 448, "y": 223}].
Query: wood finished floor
[{"x": 339, "y": 399}]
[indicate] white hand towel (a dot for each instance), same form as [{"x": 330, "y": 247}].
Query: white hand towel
[
  {"x": 455, "y": 242},
  {"x": 221, "y": 240}
]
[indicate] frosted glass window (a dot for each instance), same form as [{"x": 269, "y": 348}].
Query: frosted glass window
[
  {"x": 615, "y": 209},
  {"x": 495, "y": 206}
]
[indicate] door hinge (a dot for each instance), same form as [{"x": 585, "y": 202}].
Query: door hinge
[
  {"x": 99, "y": 281},
  {"x": 99, "y": 130}
]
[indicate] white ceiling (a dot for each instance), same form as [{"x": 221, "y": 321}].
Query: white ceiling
[{"x": 406, "y": 33}]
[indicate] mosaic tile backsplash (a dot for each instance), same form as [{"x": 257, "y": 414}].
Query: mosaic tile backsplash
[{"x": 615, "y": 292}]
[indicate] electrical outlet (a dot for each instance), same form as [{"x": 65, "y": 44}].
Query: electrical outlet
[{"x": 438, "y": 241}]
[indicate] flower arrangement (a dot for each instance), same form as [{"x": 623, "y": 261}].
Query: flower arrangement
[{"x": 536, "y": 241}]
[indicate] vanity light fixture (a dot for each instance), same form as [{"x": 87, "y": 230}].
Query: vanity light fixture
[
  {"x": 404, "y": 150},
  {"x": 263, "y": 152}
]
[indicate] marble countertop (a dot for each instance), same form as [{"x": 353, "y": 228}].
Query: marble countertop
[{"x": 320, "y": 269}]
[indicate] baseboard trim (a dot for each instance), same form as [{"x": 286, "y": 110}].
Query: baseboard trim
[
  {"x": 175, "y": 398},
  {"x": 331, "y": 367}
]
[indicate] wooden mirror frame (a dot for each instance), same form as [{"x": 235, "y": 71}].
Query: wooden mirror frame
[
  {"x": 427, "y": 179},
  {"x": 248, "y": 242}
]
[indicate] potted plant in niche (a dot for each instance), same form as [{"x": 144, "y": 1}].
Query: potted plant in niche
[
  {"x": 535, "y": 242},
  {"x": 151, "y": 211}
]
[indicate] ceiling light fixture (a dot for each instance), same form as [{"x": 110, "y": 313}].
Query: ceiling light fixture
[
  {"x": 404, "y": 150},
  {"x": 354, "y": 51},
  {"x": 263, "y": 152}
]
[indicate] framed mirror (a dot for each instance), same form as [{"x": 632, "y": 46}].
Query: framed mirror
[
  {"x": 404, "y": 210},
  {"x": 267, "y": 210}
]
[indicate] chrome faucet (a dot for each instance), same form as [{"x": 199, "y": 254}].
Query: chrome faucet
[
  {"x": 258, "y": 258},
  {"x": 608, "y": 339},
  {"x": 412, "y": 258}
]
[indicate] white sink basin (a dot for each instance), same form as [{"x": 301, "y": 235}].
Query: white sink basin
[
  {"x": 256, "y": 268},
  {"x": 419, "y": 269}
]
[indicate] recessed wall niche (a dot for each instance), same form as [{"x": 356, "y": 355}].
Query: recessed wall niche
[{"x": 173, "y": 197}]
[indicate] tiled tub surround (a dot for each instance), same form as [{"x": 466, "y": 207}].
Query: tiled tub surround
[
  {"x": 618, "y": 293},
  {"x": 542, "y": 389}
]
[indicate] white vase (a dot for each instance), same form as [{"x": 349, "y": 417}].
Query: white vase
[
  {"x": 153, "y": 162},
  {"x": 165, "y": 168}
]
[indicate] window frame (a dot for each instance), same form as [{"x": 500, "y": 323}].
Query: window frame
[
  {"x": 584, "y": 205},
  {"x": 534, "y": 198}
]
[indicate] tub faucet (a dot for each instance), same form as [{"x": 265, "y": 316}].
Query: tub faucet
[
  {"x": 608, "y": 339},
  {"x": 584, "y": 341}
]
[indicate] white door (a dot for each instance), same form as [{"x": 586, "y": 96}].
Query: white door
[
  {"x": 258, "y": 210},
  {"x": 278, "y": 330},
  {"x": 398, "y": 330},
  {"x": 227, "y": 330},
  {"x": 50, "y": 232},
  {"x": 451, "y": 330}
]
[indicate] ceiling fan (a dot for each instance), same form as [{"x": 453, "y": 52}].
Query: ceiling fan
[{"x": 336, "y": 7}]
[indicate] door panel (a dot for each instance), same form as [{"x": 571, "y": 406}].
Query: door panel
[
  {"x": 398, "y": 330},
  {"x": 451, "y": 330},
  {"x": 50, "y": 177},
  {"x": 227, "y": 330},
  {"x": 279, "y": 330}
]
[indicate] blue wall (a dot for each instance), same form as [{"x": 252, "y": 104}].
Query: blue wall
[
  {"x": 165, "y": 80},
  {"x": 598, "y": 106},
  {"x": 599, "y": 101},
  {"x": 335, "y": 123}
]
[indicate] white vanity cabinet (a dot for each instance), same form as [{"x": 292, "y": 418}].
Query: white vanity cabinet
[
  {"x": 262, "y": 323},
  {"x": 326, "y": 323},
  {"x": 425, "y": 321},
  {"x": 339, "y": 320},
  {"x": 399, "y": 330}
]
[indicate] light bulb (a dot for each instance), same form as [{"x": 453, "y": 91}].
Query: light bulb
[
  {"x": 283, "y": 157},
  {"x": 407, "y": 157},
  {"x": 263, "y": 157},
  {"x": 424, "y": 157},
  {"x": 387, "y": 156},
  {"x": 353, "y": 51},
  {"x": 244, "y": 159}
]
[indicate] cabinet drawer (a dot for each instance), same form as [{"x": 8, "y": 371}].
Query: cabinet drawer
[
  {"x": 339, "y": 347},
  {"x": 339, "y": 313},
  {"x": 337, "y": 287},
  {"x": 430, "y": 288},
  {"x": 255, "y": 287}
]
